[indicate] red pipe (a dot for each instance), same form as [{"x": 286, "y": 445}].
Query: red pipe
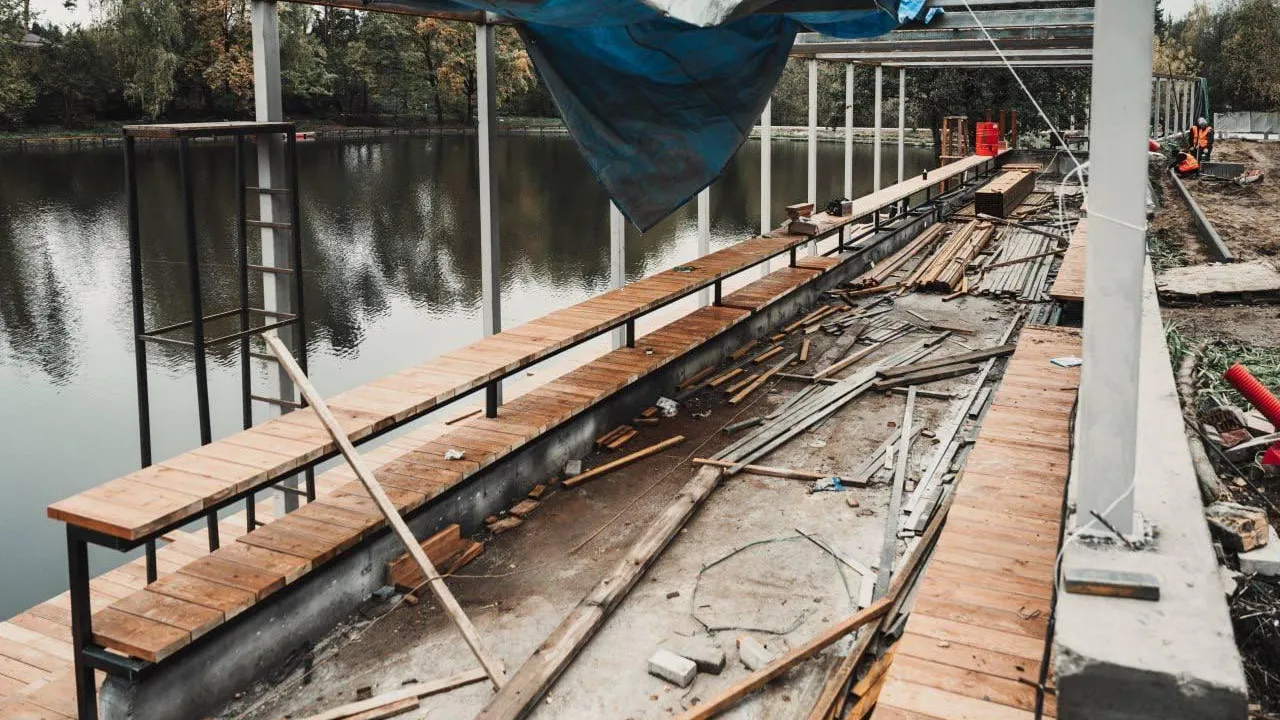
[{"x": 1253, "y": 391}]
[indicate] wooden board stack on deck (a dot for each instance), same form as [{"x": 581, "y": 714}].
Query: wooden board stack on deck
[
  {"x": 974, "y": 643},
  {"x": 1000, "y": 196},
  {"x": 944, "y": 270}
]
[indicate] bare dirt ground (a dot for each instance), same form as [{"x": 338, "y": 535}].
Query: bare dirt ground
[
  {"x": 780, "y": 589},
  {"x": 1248, "y": 218},
  {"x": 1257, "y": 325}
]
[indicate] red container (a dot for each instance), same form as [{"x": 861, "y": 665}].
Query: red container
[{"x": 988, "y": 139}]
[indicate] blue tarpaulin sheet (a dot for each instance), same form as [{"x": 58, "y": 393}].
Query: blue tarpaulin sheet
[{"x": 660, "y": 94}]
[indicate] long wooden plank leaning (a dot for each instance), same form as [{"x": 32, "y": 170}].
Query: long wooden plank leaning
[
  {"x": 624, "y": 460},
  {"x": 492, "y": 667}
]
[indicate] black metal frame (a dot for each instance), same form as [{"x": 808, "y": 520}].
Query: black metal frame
[{"x": 89, "y": 656}]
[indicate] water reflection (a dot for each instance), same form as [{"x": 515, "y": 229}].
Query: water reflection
[{"x": 391, "y": 245}]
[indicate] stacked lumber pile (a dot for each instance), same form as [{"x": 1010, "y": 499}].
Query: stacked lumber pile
[
  {"x": 447, "y": 550},
  {"x": 1000, "y": 196},
  {"x": 878, "y": 274},
  {"x": 944, "y": 270},
  {"x": 1020, "y": 269}
]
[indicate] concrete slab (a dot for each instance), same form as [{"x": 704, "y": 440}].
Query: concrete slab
[
  {"x": 1121, "y": 659},
  {"x": 1264, "y": 560}
]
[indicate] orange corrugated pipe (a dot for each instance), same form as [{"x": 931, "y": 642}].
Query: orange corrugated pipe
[{"x": 1253, "y": 391}]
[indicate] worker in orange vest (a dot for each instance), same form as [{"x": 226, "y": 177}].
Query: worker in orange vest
[
  {"x": 1186, "y": 164},
  {"x": 1200, "y": 140}
]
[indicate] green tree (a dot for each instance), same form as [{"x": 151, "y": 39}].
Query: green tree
[
  {"x": 304, "y": 69},
  {"x": 151, "y": 49},
  {"x": 17, "y": 94}
]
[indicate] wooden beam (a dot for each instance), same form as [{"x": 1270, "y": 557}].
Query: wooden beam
[
  {"x": 492, "y": 666},
  {"x": 596, "y": 472},
  {"x": 766, "y": 470},
  {"x": 968, "y": 357},
  {"x": 761, "y": 677},
  {"x": 416, "y": 690},
  {"x": 536, "y": 676}
]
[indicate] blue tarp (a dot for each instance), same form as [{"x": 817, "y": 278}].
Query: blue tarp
[{"x": 660, "y": 94}]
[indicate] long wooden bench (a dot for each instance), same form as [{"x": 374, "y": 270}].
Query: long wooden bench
[
  {"x": 159, "y": 620},
  {"x": 194, "y": 598}
]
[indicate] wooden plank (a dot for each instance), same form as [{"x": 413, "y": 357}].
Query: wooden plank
[
  {"x": 137, "y": 636},
  {"x": 243, "y": 577},
  {"x": 196, "y": 620},
  {"x": 944, "y": 705},
  {"x": 595, "y": 472},
  {"x": 228, "y": 600}
]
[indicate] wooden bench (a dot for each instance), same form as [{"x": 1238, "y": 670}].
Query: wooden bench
[{"x": 170, "y": 612}]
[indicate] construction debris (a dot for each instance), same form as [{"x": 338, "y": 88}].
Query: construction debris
[
  {"x": 752, "y": 653},
  {"x": 677, "y": 670},
  {"x": 944, "y": 270},
  {"x": 702, "y": 651},
  {"x": 622, "y": 461},
  {"x": 1240, "y": 528},
  {"x": 447, "y": 550}
]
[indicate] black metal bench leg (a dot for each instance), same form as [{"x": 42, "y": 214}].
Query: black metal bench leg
[
  {"x": 311, "y": 484},
  {"x": 717, "y": 293},
  {"x": 211, "y": 526},
  {"x": 491, "y": 400},
  {"x": 793, "y": 257},
  {"x": 81, "y": 625},
  {"x": 152, "y": 571},
  {"x": 631, "y": 333}
]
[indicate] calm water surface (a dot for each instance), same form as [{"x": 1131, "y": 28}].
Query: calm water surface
[{"x": 392, "y": 255}]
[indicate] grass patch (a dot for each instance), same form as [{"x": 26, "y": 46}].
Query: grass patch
[
  {"x": 1164, "y": 253},
  {"x": 1264, "y": 363}
]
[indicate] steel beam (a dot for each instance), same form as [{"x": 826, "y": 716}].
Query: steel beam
[
  {"x": 704, "y": 237},
  {"x": 875, "y": 150},
  {"x": 617, "y": 262},
  {"x": 987, "y": 53},
  {"x": 276, "y": 247},
  {"x": 766, "y": 175},
  {"x": 902, "y": 121},
  {"x": 486, "y": 126},
  {"x": 950, "y": 41},
  {"x": 813, "y": 142},
  {"x": 848, "y": 131},
  {"x": 1116, "y": 256}
]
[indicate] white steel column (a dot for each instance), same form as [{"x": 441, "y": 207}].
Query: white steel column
[
  {"x": 704, "y": 237},
  {"x": 848, "y": 130},
  {"x": 1115, "y": 260},
  {"x": 902, "y": 122},
  {"x": 1168, "y": 108},
  {"x": 1189, "y": 102},
  {"x": 813, "y": 143},
  {"x": 1155, "y": 107},
  {"x": 766, "y": 175},
  {"x": 276, "y": 247},
  {"x": 618, "y": 261},
  {"x": 486, "y": 124},
  {"x": 875, "y": 147}
]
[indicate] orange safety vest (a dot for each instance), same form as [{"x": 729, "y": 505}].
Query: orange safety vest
[
  {"x": 1200, "y": 138},
  {"x": 1189, "y": 164}
]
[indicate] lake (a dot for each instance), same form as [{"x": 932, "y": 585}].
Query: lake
[{"x": 391, "y": 250}]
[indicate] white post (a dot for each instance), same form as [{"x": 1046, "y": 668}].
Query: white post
[
  {"x": 486, "y": 125},
  {"x": 618, "y": 261},
  {"x": 902, "y": 122},
  {"x": 813, "y": 142},
  {"x": 276, "y": 246},
  {"x": 848, "y": 130},
  {"x": 704, "y": 237},
  {"x": 1115, "y": 260},
  {"x": 875, "y": 148},
  {"x": 1189, "y": 103},
  {"x": 1155, "y": 107},
  {"x": 766, "y": 175},
  {"x": 1168, "y": 108}
]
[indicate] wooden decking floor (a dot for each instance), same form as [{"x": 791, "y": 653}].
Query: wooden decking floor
[
  {"x": 1069, "y": 285},
  {"x": 977, "y": 634}
]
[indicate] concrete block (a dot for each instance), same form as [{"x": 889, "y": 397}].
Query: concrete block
[
  {"x": 702, "y": 651},
  {"x": 1240, "y": 528},
  {"x": 572, "y": 468},
  {"x": 678, "y": 671},
  {"x": 1246, "y": 451},
  {"x": 753, "y": 654},
  {"x": 1263, "y": 561},
  {"x": 1257, "y": 424}
]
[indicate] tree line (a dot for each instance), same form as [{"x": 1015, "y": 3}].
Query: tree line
[{"x": 155, "y": 60}]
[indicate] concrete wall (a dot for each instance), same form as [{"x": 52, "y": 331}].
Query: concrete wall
[
  {"x": 205, "y": 675},
  {"x": 1175, "y": 658}
]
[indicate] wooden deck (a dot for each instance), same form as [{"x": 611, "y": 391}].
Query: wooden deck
[
  {"x": 977, "y": 633},
  {"x": 1069, "y": 285}
]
